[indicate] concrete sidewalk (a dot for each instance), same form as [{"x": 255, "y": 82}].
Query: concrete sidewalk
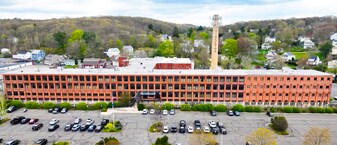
[{"x": 121, "y": 110}]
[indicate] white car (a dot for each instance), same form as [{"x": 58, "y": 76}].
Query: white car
[
  {"x": 206, "y": 129},
  {"x": 190, "y": 129},
  {"x": 54, "y": 121},
  {"x": 145, "y": 111},
  {"x": 212, "y": 124},
  {"x": 152, "y": 111},
  {"x": 90, "y": 121},
  {"x": 165, "y": 112},
  {"x": 166, "y": 129}
]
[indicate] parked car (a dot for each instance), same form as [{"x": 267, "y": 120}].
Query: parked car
[
  {"x": 33, "y": 120},
  {"x": 190, "y": 129},
  {"x": 104, "y": 122},
  {"x": 236, "y": 113},
  {"x": 56, "y": 110},
  {"x": 219, "y": 124},
  {"x": 17, "y": 120},
  {"x": 1, "y": 140},
  {"x": 99, "y": 128},
  {"x": 165, "y": 112},
  {"x": 24, "y": 121},
  {"x": 172, "y": 112},
  {"x": 166, "y": 129},
  {"x": 68, "y": 127},
  {"x": 64, "y": 110},
  {"x": 197, "y": 124},
  {"x": 222, "y": 130},
  {"x": 145, "y": 111},
  {"x": 84, "y": 127},
  {"x": 50, "y": 110},
  {"x": 215, "y": 130},
  {"x": 90, "y": 121},
  {"x": 36, "y": 127},
  {"x": 53, "y": 121},
  {"x": 25, "y": 110},
  {"x": 182, "y": 123},
  {"x": 91, "y": 128},
  {"x": 11, "y": 109},
  {"x": 270, "y": 114},
  {"x": 206, "y": 129},
  {"x": 182, "y": 129},
  {"x": 174, "y": 128},
  {"x": 212, "y": 124},
  {"x": 41, "y": 142},
  {"x": 77, "y": 120},
  {"x": 76, "y": 127},
  {"x": 213, "y": 113},
  {"x": 152, "y": 111},
  {"x": 13, "y": 142},
  {"x": 53, "y": 127},
  {"x": 230, "y": 113}
]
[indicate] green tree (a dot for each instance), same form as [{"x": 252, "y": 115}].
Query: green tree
[
  {"x": 165, "y": 49},
  {"x": 82, "y": 106},
  {"x": 119, "y": 44},
  {"x": 100, "y": 105},
  {"x": 162, "y": 141},
  {"x": 220, "y": 108},
  {"x": 89, "y": 37},
  {"x": 61, "y": 39},
  {"x": 76, "y": 61},
  {"x": 2, "y": 106},
  {"x": 48, "y": 105},
  {"x": 124, "y": 99},
  {"x": 230, "y": 48},
  {"x": 325, "y": 49},
  {"x": 175, "y": 32},
  {"x": 193, "y": 36},
  {"x": 151, "y": 41},
  {"x": 65, "y": 105},
  {"x": 204, "y": 35},
  {"x": 238, "y": 107},
  {"x": 76, "y": 35},
  {"x": 167, "y": 106},
  {"x": 150, "y": 26},
  {"x": 279, "y": 123},
  {"x": 140, "y": 106},
  {"x": 32, "y": 105},
  {"x": 185, "y": 107},
  {"x": 16, "y": 103}
]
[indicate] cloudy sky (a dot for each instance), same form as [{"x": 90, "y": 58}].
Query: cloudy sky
[{"x": 197, "y": 12}]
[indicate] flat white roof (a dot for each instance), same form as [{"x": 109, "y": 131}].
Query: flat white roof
[{"x": 128, "y": 71}]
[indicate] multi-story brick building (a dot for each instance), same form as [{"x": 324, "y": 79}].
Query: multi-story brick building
[{"x": 271, "y": 87}]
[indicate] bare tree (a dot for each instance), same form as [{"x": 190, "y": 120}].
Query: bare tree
[
  {"x": 246, "y": 62},
  {"x": 302, "y": 62},
  {"x": 317, "y": 136},
  {"x": 261, "y": 136},
  {"x": 278, "y": 62},
  {"x": 2, "y": 106},
  {"x": 201, "y": 138}
]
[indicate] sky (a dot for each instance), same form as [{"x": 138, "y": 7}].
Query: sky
[{"x": 196, "y": 12}]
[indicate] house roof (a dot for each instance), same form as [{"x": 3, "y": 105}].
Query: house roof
[
  {"x": 288, "y": 54},
  {"x": 91, "y": 61},
  {"x": 313, "y": 58},
  {"x": 128, "y": 48},
  {"x": 36, "y": 51},
  {"x": 113, "y": 50},
  {"x": 22, "y": 52}
]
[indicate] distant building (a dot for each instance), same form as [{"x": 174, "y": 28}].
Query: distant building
[
  {"x": 94, "y": 63},
  {"x": 266, "y": 46},
  {"x": 332, "y": 64},
  {"x": 128, "y": 50},
  {"x": 271, "y": 55},
  {"x": 70, "y": 62},
  {"x": 334, "y": 43},
  {"x": 313, "y": 60},
  {"x": 269, "y": 39},
  {"x": 113, "y": 52},
  {"x": 160, "y": 63},
  {"x": 288, "y": 56},
  {"x": 303, "y": 38},
  {"x": 308, "y": 44},
  {"x": 38, "y": 55},
  {"x": 52, "y": 59},
  {"x": 5, "y": 50},
  {"x": 333, "y": 37},
  {"x": 23, "y": 55},
  {"x": 164, "y": 37}
]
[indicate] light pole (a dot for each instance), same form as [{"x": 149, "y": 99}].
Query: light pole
[{"x": 103, "y": 140}]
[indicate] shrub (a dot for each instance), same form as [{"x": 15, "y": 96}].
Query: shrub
[
  {"x": 32, "y": 105},
  {"x": 185, "y": 107},
  {"x": 220, "y": 108},
  {"x": 167, "y": 106},
  {"x": 288, "y": 109},
  {"x": 82, "y": 106},
  {"x": 140, "y": 106},
  {"x": 110, "y": 105},
  {"x": 16, "y": 103},
  {"x": 328, "y": 110},
  {"x": 108, "y": 141},
  {"x": 312, "y": 110},
  {"x": 162, "y": 141},
  {"x": 202, "y": 107},
  {"x": 304, "y": 110},
  {"x": 100, "y": 105},
  {"x": 195, "y": 107},
  {"x": 320, "y": 110},
  {"x": 279, "y": 123},
  {"x": 334, "y": 110},
  {"x": 48, "y": 105},
  {"x": 156, "y": 127},
  {"x": 117, "y": 104},
  {"x": 272, "y": 109},
  {"x": 65, "y": 105},
  {"x": 296, "y": 110},
  {"x": 238, "y": 107},
  {"x": 279, "y": 109},
  {"x": 104, "y": 109},
  {"x": 248, "y": 108},
  {"x": 61, "y": 143},
  {"x": 209, "y": 107},
  {"x": 257, "y": 109}
]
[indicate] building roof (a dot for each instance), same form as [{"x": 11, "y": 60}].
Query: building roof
[
  {"x": 128, "y": 48},
  {"x": 22, "y": 52},
  {"x": 91, "y": 61},
  {"x": 128, "y": 71},
  {"x": 113, "y": 50},
  {"x": 313, "y": 58},
  {"x": 36, "y": 51}
]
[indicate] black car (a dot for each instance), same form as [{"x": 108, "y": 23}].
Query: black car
[
  {"x": 173, "y": 128},
  {"x": 270, "y": 114},
  {"x": 53, "y": 127},
  {"x": 37, "y": 126},
  {"x": 197, "y": 124},
  {"x": 13, "y": 142},
  {"x": 11, "y": 109},
  {"x": 215, "y": 130},
  {"x": 182, "y": 123},
  {"x": 182, "y": 129},
  {"x": 104, "y": 122},
  {"x": 236, "y": 113},
  {"x": 84, "y": 127},
  {"x": 68, "y": 127},
  {"x": 91, "y": 128},
  {"x": 213, "y": 113},
  {"x": 24, "y": 121},
  {"x": 99, "y": 128},
  {"x": 222, "y": 130},
  {"x": 41, "y": 142},
  {"x": 56, "y": 110},
  {"x": 1, "y": 140},
  {"x": 64, "y": 110},
  {"x": 17, "y": 120},
  {"x": 50, "y": 110}
]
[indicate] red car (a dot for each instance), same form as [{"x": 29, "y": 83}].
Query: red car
[{"x": 33, "y": 120}]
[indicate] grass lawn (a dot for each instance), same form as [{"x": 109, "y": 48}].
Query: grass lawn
[
  {"x": 113, "y": 127},
  {"x": 156, "y": 127},
  {"x": 300, "y": 55},
  {"x": 61, "y": 143},
  {"x": 4, "y": 120},
  {"x": 279, "y": 132},
  {"x": 70, "y": 66}
]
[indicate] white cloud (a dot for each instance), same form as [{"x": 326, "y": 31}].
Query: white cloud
[{"x": 198, "y": 13}]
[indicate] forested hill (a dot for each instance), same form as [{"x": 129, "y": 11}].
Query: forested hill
[{"x": 35, "y": 34}]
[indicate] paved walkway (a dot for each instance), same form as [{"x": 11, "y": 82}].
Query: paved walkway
[{"x": 121, "y": 110}]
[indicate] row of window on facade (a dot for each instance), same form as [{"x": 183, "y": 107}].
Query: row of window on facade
[
  {"x": 289, "y": 86},
  {"x": 286, "y": 94},
  {"x": 294, "y": 78},
  {"x": 127, "y": 78}
]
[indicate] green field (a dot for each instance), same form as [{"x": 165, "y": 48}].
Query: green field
[{"x": 300, "y": 55}]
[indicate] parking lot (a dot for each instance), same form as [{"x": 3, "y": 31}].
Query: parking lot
[{"x": 135, "y": 127}]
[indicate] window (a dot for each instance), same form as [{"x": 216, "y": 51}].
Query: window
[
  {"x": 315, "y": 79},
  {"x": 228, "y": 79},
  {"x": 241, "y": 79},
  {"x": 255, "y": 78},
  {"x": 295, "y": 78},
  {"x": 248, "y": 86},
  {"x": 281, "y": 78},
  {"x": 262, "y": 79},
  {"x": 235, "y": 79},
  {"x": 268, "y": 78},
  {"x": 327, "y": 87},
  {"x": 248, "y": 78}
]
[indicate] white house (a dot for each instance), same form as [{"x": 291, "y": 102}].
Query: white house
[
  {"x": 334, "y": 43},
  {"x": 287, "y": 56},
  {"x": 307, "y": 44},
  {"x": 333, "y": 37},
  {"x": 5, "y": 50},
  {"x": 52, "y": 59},
  {"x": 332, "y": 64},
  {"x": 265, "y": 46},
  {"x": 23, "y": 55},
  {"x": 269, "y": 39},
  {"x": 128, "y": 49},
  {"x": 112, "y": 52},
  {"x": 69, "y": 62},
  {"x": 303, "y": 38},
  {"x": 271, "y": 55},
  {"x": 313, "y": 60},
  {"x": 164, "y": 37}
]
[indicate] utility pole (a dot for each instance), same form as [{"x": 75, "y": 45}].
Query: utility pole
[{"x": 215, "y": 41}]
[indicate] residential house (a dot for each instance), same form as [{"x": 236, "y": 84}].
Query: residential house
[
  {"x": 164, "y": 37},
  {"x": 334, "y": 43},
  {"x": 128, "y": 50},
  {"x": 23, "y": 55},
  {"x": 70, "y": 62},
  {"x": 313, "y": 60},
  {"x": 269, "y": 39},
  {"x": 52, "y": 59},
  {"x": 287, "y": 56},
  {"x": 303, "y": 38},
  {"x": 271, "y": 55},
  {"x": 332, "y": 64},
  {"x": 333, "y": 37},
  {"x": 94, "y": 63},
  {"x": 113, "y": 52},
  {"x": 266, "y": 46},
  {"x": 5, "y": 50},
  {"x": 187, "y": 47},
  {"x": 308, "y": 44},
  {"x": 38, "y": 55}
]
